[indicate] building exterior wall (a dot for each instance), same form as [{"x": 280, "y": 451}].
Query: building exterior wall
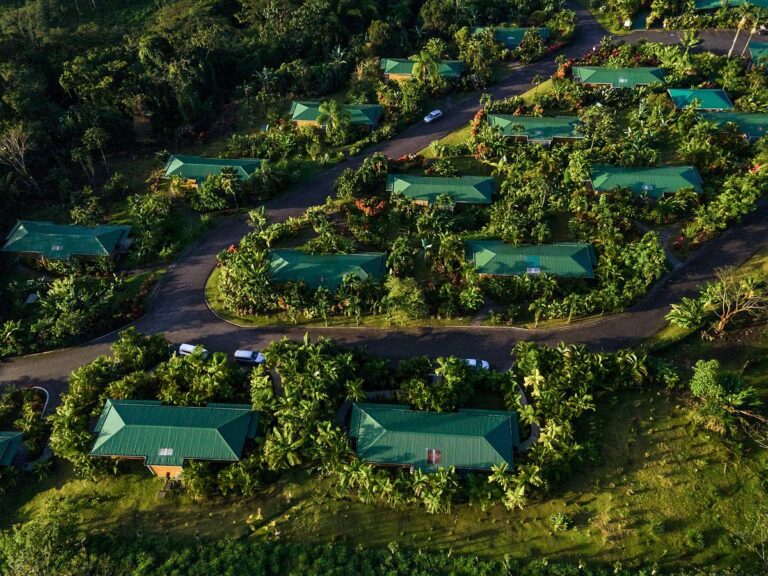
[
  {"x": 305, "y": 123},
  {"x": 165, "y": 471},
  {"x": 396, "y": 77}
]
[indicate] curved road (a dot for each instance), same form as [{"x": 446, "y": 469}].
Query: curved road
[{"x": 178, "y": 306}]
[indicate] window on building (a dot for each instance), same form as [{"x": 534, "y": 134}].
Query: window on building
[{"x": 165, "y": 452}]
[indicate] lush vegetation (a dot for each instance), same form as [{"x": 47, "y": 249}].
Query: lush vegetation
[
  {"x": 630, "y": 460},
  {"x": 680, "y": 14},
  {"x": 21, "y": 410},
  {"x": 95, "y": 95},
  {"x": 542, "y": 197}
]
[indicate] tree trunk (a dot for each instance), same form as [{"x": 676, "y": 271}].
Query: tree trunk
[
  {"x": 735, "y": 39},
  {"x": 751, "y": 33}
]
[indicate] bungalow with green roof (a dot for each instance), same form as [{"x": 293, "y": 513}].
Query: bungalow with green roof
[
  {"x": 709, "y": 99},
  {"x": 167, "y": 436},
  {"x": 564, "y": 260},
  {"x": 618, "y": 77},
  {"x": 395, "y": 435},
  {"x": 61, "y": 242},
  {"x": 10, "y": 445},
  {"x": 652, "y": 182},
  {"x": 541, "y": 130},
  {"x": 306, "y": 113},
  {"x": 758, "y": 52},
  {"x": 426, "y": 189},
  {"x": 717, "y": 4},
  {"x": 510, "y": 37},
  {"x": 327, "y": 270},
  {"x": 195, "y": 169},
  {"x": 401, "y": 68},
  {"x": 753, "y": 126}
]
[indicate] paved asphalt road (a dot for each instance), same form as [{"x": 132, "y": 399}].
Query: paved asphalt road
[{"x": 179, "y": 311}]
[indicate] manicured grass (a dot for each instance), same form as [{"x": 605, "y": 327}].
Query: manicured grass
[
  {"x": 544, "y": 87},
  {"x": 456, "y": 137}
]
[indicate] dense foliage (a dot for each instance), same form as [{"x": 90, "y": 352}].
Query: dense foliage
[
  {"x": 542, "y": 196},
  {"x": 680, "y": 14},
  {"x": 139, "y": 368},
  {"x": 730, "y": 299},
  {"x": 21, "y": 410}
]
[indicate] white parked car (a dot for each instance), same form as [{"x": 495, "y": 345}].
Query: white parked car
[
  {"x": 249, "y": 357},
  {"x": 475, "y": 363},
  {"x": 188, "y": 349},
  {"x": 432, "y": 116}
]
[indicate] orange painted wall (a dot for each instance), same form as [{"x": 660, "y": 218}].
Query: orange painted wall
[
  {"x": 305, "y": 123},
  {"x": 397, "y": 77},
  {"x": 161, "y": 471}
]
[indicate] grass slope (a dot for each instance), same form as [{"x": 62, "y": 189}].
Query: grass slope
[{"x": 658, "y": 491}]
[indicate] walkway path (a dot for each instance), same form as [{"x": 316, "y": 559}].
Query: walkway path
[{"x": 178, "y": 308}]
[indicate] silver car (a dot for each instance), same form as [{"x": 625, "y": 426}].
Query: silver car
[{"x": 432, "y": 116}]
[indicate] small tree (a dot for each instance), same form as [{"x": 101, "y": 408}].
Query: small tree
[
  {"x": 724, "y": 401},
  {"x": 337, "y": 121},
  {"x": 734, "y": 296},
  {"x": 219, "y": 191},
  {"x": 404, "y": 300}
]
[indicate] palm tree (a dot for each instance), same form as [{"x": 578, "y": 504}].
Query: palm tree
[
  {"x": 752, "y": 32},
  {"x": 689, "y": 39},
  {"x": 335, "y": 118},
  {"x": 745, "y": 17},
  {"x": 281, "y": 450},
  {"x": 515, "y": 498},
  {"x": 425, "y": 68}
]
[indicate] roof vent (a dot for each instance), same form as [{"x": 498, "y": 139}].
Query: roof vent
[
  {"x": 165, "y": 452},
  {"x": 647, "y": 187},
  {"x": 533, "y": 270},
  {"x": 57, "y": 248}
]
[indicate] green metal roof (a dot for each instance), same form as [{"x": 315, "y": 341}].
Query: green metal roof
[
  {"x": 467, "y": 439},
  {"x": 402, "y": 66},
  {"x": 653, "y": 181},
  {"x": 754, "y": 126},
  {"x": 60, "y": 242},
  {"x": 360, "y": 114},
  {"x": 536, "y": 129},
  {"x": 463, "y": 190},
  {"x": 618, "y": 77},
  {"x": 326, "y": 270},
  {"x": 716, "y": 4},
  {"x": 510, "y": 37},
  {"x": 758, "y": 51},
  {"x": 9, "y": 446},
  {"x": 169, "y": 435},
  {"x": 565, "y": 260},
  {"x": 198, "y": 168},
  {"x": 708, "y": 98}
]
